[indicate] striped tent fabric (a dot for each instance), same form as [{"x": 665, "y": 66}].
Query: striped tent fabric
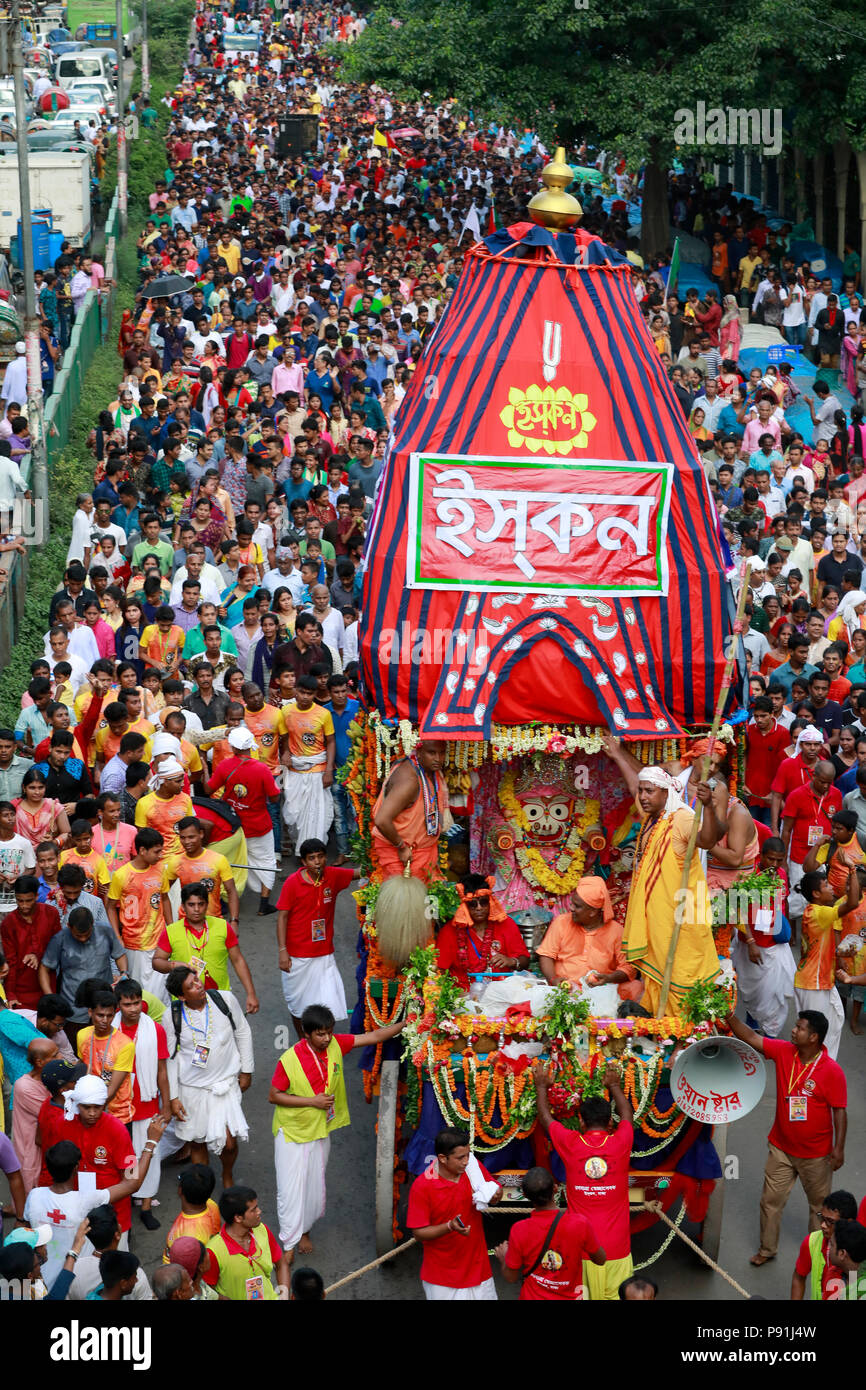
[{"x": 542, "y": 384}]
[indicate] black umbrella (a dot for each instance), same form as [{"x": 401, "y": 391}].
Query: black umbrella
[{"x": 167, "y": 285}]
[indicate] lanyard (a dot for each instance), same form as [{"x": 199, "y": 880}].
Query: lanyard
[
  {"x": 794, "y": 1085},
  {"x": 817, "y": 808},
  {"x": 196, "y": 945},
  {"x": 204, "y": 1031},
  {"x": 323, "y": 1073}
]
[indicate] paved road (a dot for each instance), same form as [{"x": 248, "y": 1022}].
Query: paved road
[{"x": 344, "y": 1240}]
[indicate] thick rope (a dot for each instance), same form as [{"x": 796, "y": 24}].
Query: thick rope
[
  {"x": 655, "y": 1208},
  {"x": 365, "y": 1269}
]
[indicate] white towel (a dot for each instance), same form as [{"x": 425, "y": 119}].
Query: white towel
[
  {"x": 145, "y": 1055},
  {"x": 482, "y": 1190}
]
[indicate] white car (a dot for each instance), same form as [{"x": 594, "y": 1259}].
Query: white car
[{"x": 91, "y": 84}]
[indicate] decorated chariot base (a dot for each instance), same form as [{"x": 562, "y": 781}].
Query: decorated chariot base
[{"x": 479, "y": 1064}]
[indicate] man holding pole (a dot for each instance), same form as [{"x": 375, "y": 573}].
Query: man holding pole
[{"x": 664, "y": 840}]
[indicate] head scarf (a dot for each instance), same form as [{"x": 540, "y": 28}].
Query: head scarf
[
  {"x": 808, "y": 735},
  {"x": 90, "y": 1090},
  {"x": 700, "y": 748},
  {"x": 462, "y": 916},
  {"x": 170, "y": 768},
  {"x": 731, "y": 310},
  {"x": 593, "y": 891},
  {"x": 845, "y": 611},
  {"x": 657, "y": 777}
]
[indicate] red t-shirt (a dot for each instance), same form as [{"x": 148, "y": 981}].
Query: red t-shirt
[
  {"x": 765, "y": 752},
  {"x": 310, "y": 926},
  {"x": 792, "y": 773},
  {"x": 815, "y": 1089},
  {"x": 596, "y": 1174},
  {"x": 316, "y": 1072},
  {"x": 804, "y": 1261},
  {"x": 50, "y": 1123},
  {"x": 560, "y": 1274},
  {"x": 454, "y": 1261},
  {"x": 248, "y": 784},
  {"x": 146, "y": 1109},
  {"x": 807, "y": 811},
  {"x": 506, "y": 932},
  {"x": 106, "y": 1150}
]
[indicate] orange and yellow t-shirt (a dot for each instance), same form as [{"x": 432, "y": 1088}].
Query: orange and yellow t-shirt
[
  {"x": 102, "y": 1056},
  {"x": 817, "y": 964},
  {"x": 163, "y": 815},
  {"x": 267, "y": 725},
  {"x": 307, "y": 730},
  {"x": 210, "y": 868},
  {"x": 138, "y": 895},
  {"x": 200, "y": 1225},
  {"x": 96, "y": 875},
  {"x": 107, "y": 743},
  {"x": 162, "y": 649}
]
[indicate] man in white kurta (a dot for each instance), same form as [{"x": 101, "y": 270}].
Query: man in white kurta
[{"x": 210, "y": 1066}]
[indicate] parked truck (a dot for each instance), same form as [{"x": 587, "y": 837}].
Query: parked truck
[{"x": 59, "y": 180}]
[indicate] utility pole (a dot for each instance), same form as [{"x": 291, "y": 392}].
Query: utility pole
[
  {"x": 145, "y": 54},
  {"x": 122, "y": 180},
  {"x": 32, "y": 321}
]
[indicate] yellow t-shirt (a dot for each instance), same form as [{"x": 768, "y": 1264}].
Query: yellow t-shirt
[
  {"x": 162, "y": 648},
  {"x": 153, "y": 811},
  {"x": 138, "y": 894},
  {"x": 96, "y": 875},
  {"x": 210, "y": 868},
  {"x": 267, "y": 725},
  {"x": 102, "y": 1056},
  {"x": 816, "y": 968},
  {"x": 307, "y": 730}
]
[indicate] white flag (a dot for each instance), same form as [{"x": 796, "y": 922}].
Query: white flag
[{"x": 471, "y": 224}]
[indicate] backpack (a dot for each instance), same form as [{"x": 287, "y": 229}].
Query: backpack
[{"x": 176, "y": 1016}]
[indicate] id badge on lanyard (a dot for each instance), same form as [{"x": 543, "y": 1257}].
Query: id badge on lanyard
[{"x": 798, "y": 1108}]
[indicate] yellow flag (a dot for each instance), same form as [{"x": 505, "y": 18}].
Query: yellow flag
[{"x": 378, "y": 137}]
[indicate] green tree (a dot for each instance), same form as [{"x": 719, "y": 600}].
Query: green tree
[{"x": 615, "y": 73}]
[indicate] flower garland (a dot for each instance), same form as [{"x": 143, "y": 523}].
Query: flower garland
[{"x": 562, "y": 877}]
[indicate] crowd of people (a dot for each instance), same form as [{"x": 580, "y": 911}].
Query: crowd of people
[{"x": 185, "y": 723}]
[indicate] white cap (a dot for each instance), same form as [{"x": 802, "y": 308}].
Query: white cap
[{"x": 20, "y": 347}]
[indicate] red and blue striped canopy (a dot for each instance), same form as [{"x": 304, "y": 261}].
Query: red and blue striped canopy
[{"x": 543, "y": 362}]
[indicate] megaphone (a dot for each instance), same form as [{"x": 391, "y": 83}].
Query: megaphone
[{"x": 718, "y": 1079}]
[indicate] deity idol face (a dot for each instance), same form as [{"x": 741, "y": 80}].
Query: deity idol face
[{"x": 549, "y": 818}]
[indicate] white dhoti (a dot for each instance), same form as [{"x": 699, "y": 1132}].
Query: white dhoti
[
  {"x": 766, "y": 989},
  {"x": 260, "y": 862},
  {"x": 479, "y": 1293},
  {"x": 314, "y": 980},
  {"x": 139, "y": 964},
  {"x": 828, "y": 1003},
  {"x": 308, "y": 807},
  {"x": 796, "y": 901},
  {"x": 169, "y": 1143},
  {"x": 300, "y": 1185},
  {"x": 150, "y": 1186},
  {"x": 211, "y": 1113}
]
